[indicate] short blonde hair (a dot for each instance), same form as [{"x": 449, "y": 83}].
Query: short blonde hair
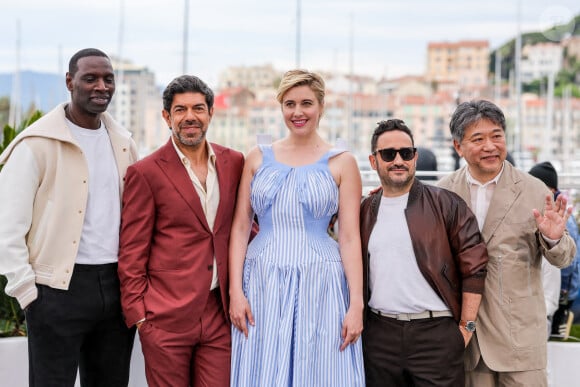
[{"x": 298, "y": 77}]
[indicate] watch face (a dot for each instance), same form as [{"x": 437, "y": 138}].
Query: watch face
[{"x": 470, "y": 326}]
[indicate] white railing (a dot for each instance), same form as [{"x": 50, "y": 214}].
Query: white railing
[{"x": 568, "y": 182}]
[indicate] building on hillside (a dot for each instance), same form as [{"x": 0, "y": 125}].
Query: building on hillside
[
  {"x": 540, "y": 59},
  {"x": 563, "y": 139},
  {"x": 465, "y": 63},
  {"x": 572, "y": 52},
  {"x": 354, "y": 105}
]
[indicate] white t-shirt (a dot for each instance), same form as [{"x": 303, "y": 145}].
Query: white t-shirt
[
  {"x": 99, "y": 242},
  {"x": 396, "y": 283}
]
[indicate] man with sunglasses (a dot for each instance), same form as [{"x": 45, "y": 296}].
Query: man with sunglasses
[
  {"x": 520, "y": 222},
  {"x": 424, "y": 271}
]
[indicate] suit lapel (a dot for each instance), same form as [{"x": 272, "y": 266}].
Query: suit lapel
[
  {"x": 461, "y": 188},
  {"x": 175, "y": 171},
  {"x": 227, "y": 192},
  {"x": 505, "y": 195}
]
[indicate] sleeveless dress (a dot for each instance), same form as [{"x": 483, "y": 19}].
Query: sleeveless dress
[{"x": 295, "y": 284}]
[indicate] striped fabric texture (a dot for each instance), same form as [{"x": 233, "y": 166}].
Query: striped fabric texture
[{"x": 295, "y": 284}]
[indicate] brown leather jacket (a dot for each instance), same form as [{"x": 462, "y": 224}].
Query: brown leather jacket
[{"x": 446, "y": 240}]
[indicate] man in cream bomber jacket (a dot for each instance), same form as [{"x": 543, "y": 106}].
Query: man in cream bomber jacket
[
  {"x": 53, "y": 179},
  {"x": 60, "y": 200}
]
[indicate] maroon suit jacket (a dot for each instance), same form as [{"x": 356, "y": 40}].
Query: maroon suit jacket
[{"x": 166, "y": 246}]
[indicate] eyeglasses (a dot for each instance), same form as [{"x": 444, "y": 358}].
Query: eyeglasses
[{"x": 389, "y": 154}]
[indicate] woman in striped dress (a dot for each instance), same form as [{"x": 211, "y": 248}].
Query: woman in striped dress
[{"x": 295, "y": 293}]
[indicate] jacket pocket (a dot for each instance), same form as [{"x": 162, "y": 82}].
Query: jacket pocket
[
  {"x": 527, "y": 322},
  {"x": 37, "y": 236}
]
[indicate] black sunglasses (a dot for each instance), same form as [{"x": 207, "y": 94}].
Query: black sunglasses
[{"x": 389, "y": 154}]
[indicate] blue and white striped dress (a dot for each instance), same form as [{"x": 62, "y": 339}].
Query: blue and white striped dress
[{"x": 294, "y": 281}]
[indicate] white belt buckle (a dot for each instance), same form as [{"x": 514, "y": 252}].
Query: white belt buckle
[{"x": 403, "y": 317}]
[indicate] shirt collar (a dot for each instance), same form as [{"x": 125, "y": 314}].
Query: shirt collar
[
  {"x": 472, "y": 181},
  {"x": 184, "y": 159}
]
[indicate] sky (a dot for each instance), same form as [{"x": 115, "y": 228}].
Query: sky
[{"x": 378, "y": 38}]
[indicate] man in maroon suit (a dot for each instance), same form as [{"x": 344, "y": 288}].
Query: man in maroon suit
[{"x": 177, "y": 210}]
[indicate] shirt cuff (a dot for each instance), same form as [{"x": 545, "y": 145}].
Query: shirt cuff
[{"x": 551, "y": 242}]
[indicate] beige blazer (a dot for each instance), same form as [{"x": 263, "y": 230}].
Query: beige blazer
[{"x": 511, "y": 323}]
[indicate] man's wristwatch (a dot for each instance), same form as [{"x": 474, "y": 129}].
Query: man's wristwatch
[{"x": 468, "y": 325}]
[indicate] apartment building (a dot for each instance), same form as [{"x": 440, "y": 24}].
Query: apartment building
[
  {"x": 572, "y": 47},
  {"x": 250, "y": 77},
  {"x": 137, "y": 105},
  {"x": 464, "y": 63},
  {"x": 551, "y": 136},
  {"x": 541, "y": 59},
  {"x": 354, "y": 105}
]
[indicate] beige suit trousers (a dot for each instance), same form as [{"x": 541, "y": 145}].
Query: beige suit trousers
[{"x": 482, "y": 376}]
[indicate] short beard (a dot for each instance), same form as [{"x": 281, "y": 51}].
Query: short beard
[
  {"x": 188, "y": 141},
  {"x": 396, "y": 184},
  {"x": 388, "y": 182}
]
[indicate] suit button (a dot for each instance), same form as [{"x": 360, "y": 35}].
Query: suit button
[{"x": 209, "y": 267}]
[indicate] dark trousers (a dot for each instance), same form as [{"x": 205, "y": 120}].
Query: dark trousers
[
  {"x": 198, "y": 357},
  {"x": 80, "y": 328},
  {"x": 425, "y": 352}
]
